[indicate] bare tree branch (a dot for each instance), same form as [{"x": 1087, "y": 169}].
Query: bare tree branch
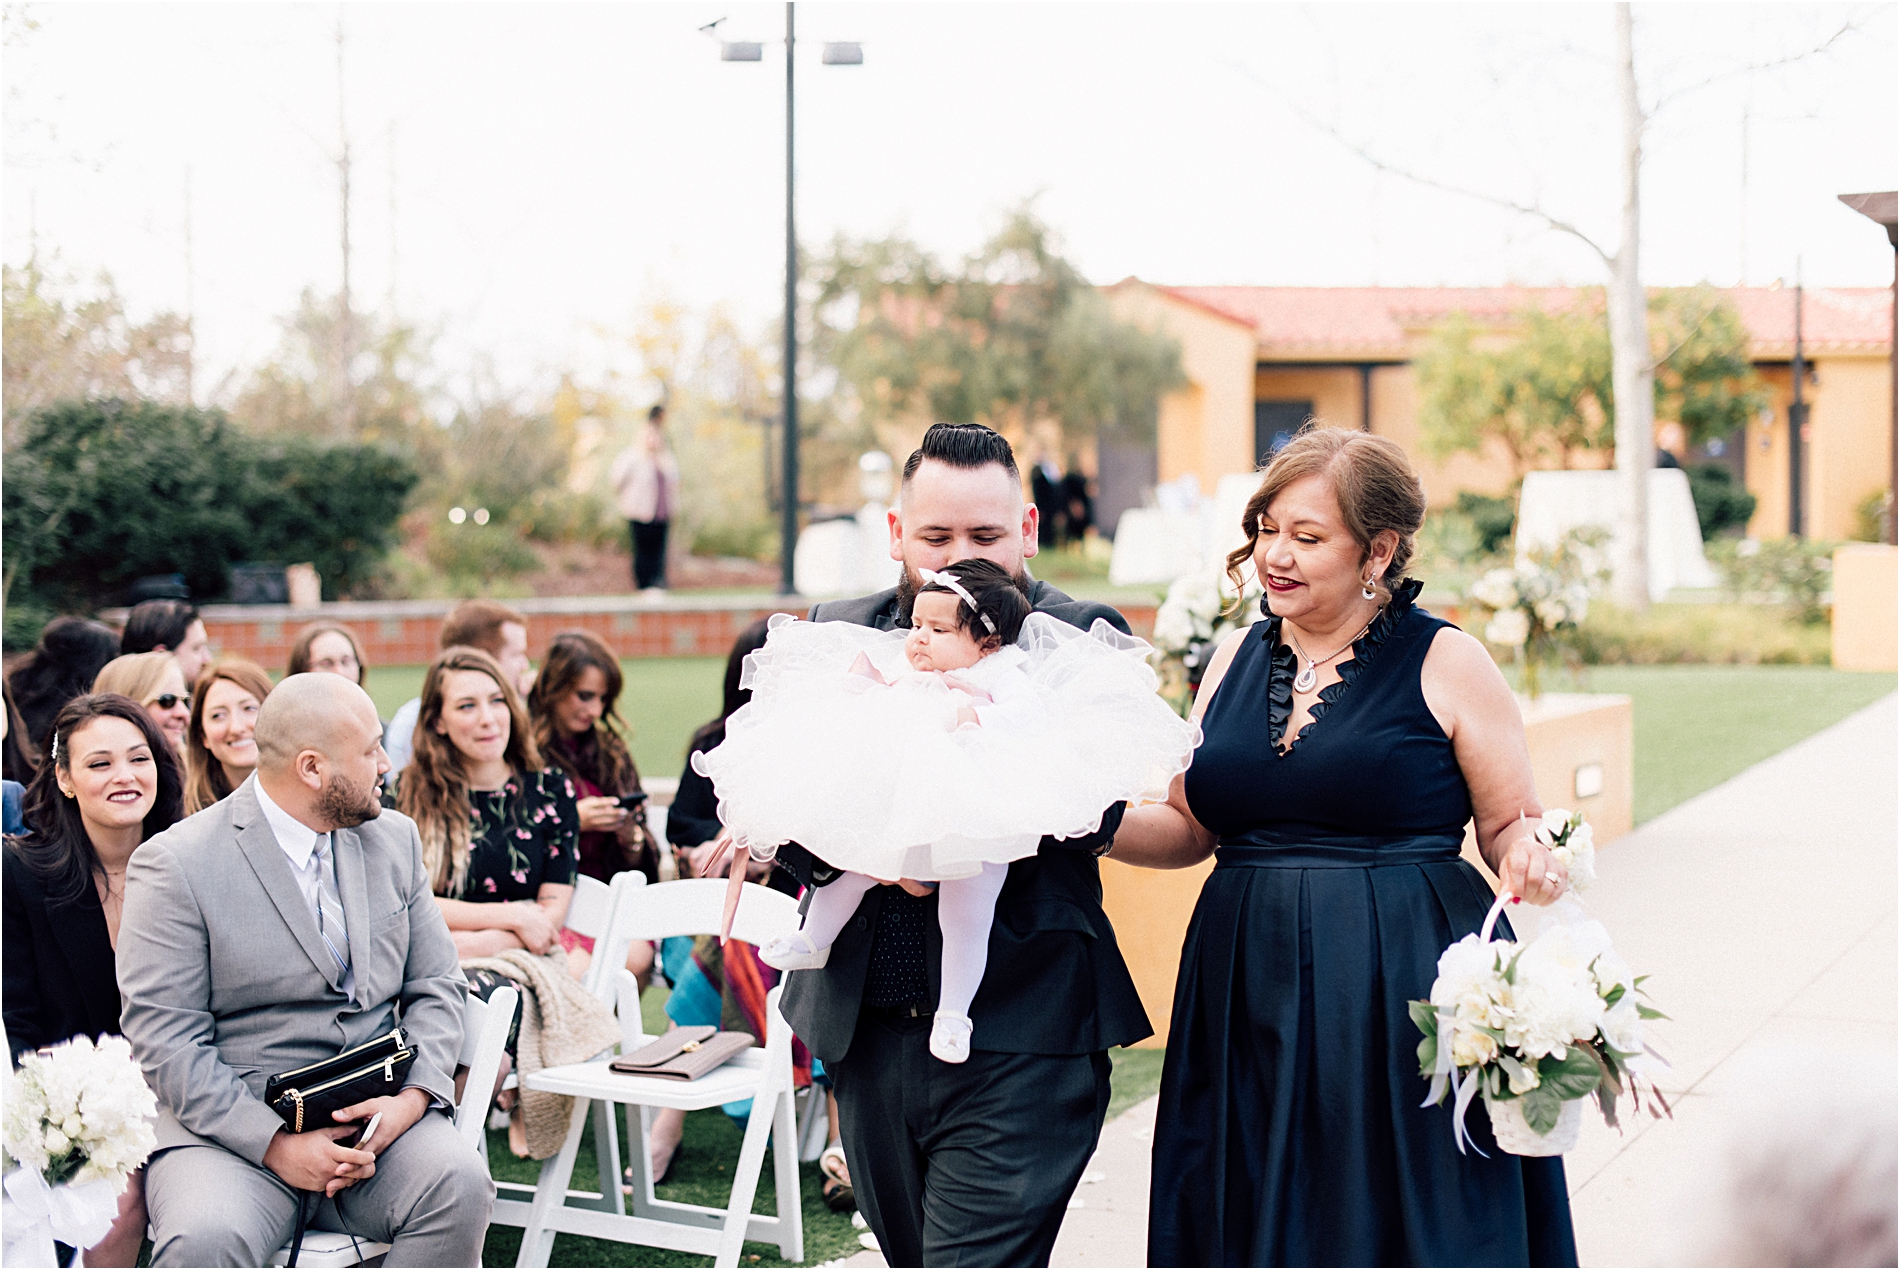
[
  {"x": 1365, "y": 155},
  {"x": 1850, "y": 27}
]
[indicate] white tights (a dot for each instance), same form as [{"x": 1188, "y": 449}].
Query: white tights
[{"x": 966, "y": 908}]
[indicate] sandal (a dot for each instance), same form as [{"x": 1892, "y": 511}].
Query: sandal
[
  {"x": 626, "y": 1174},
  {"x": 839, "y": 1197}
]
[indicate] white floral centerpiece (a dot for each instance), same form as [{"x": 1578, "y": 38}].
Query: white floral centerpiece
[
  {"x": 1535, "y": 605},
  {"x": 1200, "y": 610},
  {"x": 1534, "y": 1028},
  {"x": 77, "y": 1121}
]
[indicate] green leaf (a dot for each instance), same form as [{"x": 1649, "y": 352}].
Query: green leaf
[
  {"x": 1648, "y": 1012},
  {"x": 1427, "y": 1056},
  {"x": 1572, "y": 1076},
  {"x": 1614, "y": 995},
  {"x": 1425, "y": 1015},
  {"x": 1541, "y": 1108}
]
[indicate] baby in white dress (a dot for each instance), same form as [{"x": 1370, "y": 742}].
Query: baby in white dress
[{"x": 940, "y": 755}]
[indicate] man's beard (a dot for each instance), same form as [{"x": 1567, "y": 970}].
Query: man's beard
[
  {"x": 345, "y": 805},
  {"x": 909, "y": 584}
]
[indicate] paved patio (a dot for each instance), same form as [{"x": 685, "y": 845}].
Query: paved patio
[{"x": 1764, "y": 911}]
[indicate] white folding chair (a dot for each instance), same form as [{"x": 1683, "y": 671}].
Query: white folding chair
[
  {"x": 598, "y": 911},
  {"x": 484, "y": 1039},
  {"x": 763, "y": 1074}
]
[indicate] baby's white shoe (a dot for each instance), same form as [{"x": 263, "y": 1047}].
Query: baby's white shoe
[
  {"x": 794, "y": 952},
  {"x": 950, "y": 1037}
]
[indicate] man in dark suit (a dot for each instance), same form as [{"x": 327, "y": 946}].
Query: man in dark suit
[{"x": 970, "y": 1164}]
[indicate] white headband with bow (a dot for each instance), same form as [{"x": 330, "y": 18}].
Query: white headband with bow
[{"x": 949, "y": 582}]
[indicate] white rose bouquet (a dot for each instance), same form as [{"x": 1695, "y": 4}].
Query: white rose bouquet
[
  {"x": 1534, "y": 1028},
  {"x": 77, "y": 1121},
  {"x": 1571, "y": 840},
  {"x": 1198, "y": 612}
]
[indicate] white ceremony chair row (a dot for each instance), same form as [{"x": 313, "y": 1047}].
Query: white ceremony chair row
[{"x": 691, "y": 907}]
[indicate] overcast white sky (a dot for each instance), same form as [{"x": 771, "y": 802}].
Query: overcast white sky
[{"x": 553, "y": 165}]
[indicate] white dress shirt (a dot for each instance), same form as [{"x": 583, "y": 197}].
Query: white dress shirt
[{"x": 299, "y": 844}]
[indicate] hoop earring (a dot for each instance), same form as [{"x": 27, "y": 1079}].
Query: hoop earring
[{"x": 1365, "y": 589}]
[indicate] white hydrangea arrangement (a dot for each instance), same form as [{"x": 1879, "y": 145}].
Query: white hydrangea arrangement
[
  {"x": 79, "y": 1113},
  {"x": 1199, "y": 611},
  {"x": 1535, "y": 605},
  {"x": 1534, "y": 1028}
]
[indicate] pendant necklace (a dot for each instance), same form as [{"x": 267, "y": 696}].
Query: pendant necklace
[{"x": 1309, "y": 674}]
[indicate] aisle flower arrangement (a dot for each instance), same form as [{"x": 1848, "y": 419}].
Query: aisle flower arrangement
[
  {"x": 78, "y": 1120},
  {"x": 1535, "y": 607},
  {"x": 1536, "y": 1026},
  {"x": 1200, "y": 610}
]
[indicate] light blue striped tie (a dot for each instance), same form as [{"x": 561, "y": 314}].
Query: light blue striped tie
[{"x": 330, "y": 923}]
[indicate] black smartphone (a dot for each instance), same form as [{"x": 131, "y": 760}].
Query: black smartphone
[{"x": 630, "y": 802}]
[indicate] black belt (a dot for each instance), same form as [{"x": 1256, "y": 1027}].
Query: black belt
[{"x": 914, "y": 1010}]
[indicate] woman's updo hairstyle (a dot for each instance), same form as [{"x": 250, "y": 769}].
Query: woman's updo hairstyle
[
  {"x": 998, "y": 597},
  {"x": 1377, "y": 488}
]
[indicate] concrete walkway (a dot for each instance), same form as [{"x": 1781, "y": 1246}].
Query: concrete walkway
[{"x": 1763, "y": 910}]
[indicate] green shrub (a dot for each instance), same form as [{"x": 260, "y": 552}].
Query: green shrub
[
  {"x": 1870, "y": 515},
  {"x": 472, "y": 558},
  {"x": 1731, "y": 634},
  {"x": 1491, "y": 518},
  {"x": 756, "y": 539},
  {"x": 1720, "y": 504},
  {"x": 100, "y": 493},
  {"x": 1796, "y": 572}
]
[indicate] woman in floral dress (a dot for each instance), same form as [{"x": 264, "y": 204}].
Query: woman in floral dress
[{"x": 499, "y": 831}]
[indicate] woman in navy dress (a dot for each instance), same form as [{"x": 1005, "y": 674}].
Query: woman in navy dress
[{"x": 1348, "y": 739}]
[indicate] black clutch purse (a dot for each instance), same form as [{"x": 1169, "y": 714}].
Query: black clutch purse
[{"x": 304, "y": 1098}]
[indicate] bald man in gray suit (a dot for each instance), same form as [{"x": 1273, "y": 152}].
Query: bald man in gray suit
[{"x": 274, "y": 929}]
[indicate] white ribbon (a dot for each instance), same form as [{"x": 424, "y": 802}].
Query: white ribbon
[
  {"x": 950, "y": 582},
  {"x": 37, "y": 1214}
]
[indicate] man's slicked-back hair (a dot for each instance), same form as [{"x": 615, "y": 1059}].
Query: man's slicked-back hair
[{"x": 966, "y": 445}]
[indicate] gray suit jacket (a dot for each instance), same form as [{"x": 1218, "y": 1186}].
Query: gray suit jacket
[{"x": 226, "y": 982}]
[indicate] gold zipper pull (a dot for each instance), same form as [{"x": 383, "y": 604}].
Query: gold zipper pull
[
  {"x": 389, "y": 1068},
  {"x": 298, "y": 1095}
]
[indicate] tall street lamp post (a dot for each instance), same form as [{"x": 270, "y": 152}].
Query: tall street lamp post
[{"x": 835, "y": 54}]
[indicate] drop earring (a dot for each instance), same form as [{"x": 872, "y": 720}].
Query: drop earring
[{"x": 1365, "y": 589}]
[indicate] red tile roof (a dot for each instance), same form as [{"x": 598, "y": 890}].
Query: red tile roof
[{"x": 1379, "y": 322}]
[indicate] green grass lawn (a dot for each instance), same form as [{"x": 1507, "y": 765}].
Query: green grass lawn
[
  {"x": 1697, "y": 726},
  {"x": 665, "y": 699}
]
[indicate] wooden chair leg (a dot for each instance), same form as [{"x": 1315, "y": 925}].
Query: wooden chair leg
[
  {"x": 745, "y": 1178},
  {"x": 550, "y": 1192}
]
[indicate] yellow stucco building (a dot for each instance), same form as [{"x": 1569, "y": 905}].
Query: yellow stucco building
[{"x": 1260, "y": 360}]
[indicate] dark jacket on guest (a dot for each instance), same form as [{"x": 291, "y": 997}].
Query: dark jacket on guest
[
  {"x": 59, "y": 975},
  {"x": 1056, "y": 982}
]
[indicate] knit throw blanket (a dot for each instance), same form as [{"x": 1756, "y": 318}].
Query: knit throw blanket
[{"x": 561, "y": 1023}]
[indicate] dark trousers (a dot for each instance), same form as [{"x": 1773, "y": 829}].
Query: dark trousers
[
  {"x": 649, "y": 553},
  {"x": 965, "y": 1164}
]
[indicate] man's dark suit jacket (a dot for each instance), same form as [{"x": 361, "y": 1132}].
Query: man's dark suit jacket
[
  {"x": 1056, "y": 983},
  {"x": 61, "y": 979}
]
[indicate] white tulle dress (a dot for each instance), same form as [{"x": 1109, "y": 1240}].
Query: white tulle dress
[{"x": 879, "y": 779}]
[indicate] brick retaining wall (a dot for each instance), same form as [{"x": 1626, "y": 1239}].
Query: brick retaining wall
[{"x": 404, "y": 632}]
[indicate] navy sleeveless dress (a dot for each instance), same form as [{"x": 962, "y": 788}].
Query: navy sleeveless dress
[{"x": 1290, "y": 1131}]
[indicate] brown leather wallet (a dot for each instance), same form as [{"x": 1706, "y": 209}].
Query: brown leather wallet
[{"x": 684, "y": 1053}]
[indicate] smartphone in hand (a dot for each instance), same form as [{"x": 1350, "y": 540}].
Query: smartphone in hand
[{"x": 630, "y": 802}]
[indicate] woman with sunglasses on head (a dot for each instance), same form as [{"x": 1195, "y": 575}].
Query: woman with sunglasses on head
[
  {"x": 220, "y": 750},
  {"x": 110, "y": 783},
  {"x": 156, "y": 682}
]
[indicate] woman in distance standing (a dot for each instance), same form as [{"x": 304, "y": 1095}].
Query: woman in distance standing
[{"x": 1348, "y": 738}]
